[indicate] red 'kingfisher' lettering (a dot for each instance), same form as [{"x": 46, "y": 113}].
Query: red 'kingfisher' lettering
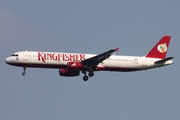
[
  {"x": 40, "y": 57},
  {"x": 43, "y": 56}
]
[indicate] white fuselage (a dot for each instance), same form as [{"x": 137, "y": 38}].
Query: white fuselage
[{"x": 59, "y": 60}]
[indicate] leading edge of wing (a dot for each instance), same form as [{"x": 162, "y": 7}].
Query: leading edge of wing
[{"x": 99, "y": 58}]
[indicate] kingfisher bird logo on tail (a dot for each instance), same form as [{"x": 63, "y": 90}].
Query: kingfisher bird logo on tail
[{"x": 160, "y": 49}]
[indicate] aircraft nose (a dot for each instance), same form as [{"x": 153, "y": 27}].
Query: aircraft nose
[{"x": 7, "y": 60}]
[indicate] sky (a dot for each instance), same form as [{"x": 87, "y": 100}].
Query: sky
[{"x": 89, "y": 26}]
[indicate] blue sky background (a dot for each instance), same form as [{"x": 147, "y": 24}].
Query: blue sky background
[{"x": 89, "y": 27}]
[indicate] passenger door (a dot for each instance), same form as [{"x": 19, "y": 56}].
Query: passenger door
[{"x": 25, "y": 56}]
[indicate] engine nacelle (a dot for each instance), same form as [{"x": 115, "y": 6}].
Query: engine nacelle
[
  {"x": 68, "y": 73},
  {"x": 75, "y": 66}
]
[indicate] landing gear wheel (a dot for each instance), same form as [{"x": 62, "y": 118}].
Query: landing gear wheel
[
  {"x": 91, "y": 74},
  {"x": 23, "y": 73},
  {"x": 85, "y": 78}
]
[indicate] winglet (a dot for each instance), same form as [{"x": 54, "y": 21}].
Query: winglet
[{"x": 117, "y": 49}]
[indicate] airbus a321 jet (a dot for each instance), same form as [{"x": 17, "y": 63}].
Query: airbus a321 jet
[{"x": 71, "y": 64}]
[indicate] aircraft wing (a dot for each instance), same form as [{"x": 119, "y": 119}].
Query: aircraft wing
[{"x": 98, "y": 58}]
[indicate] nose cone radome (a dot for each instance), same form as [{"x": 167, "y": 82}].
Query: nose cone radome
[{"x": 7, "y": 60}]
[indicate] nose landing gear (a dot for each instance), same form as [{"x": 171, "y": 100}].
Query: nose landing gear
[{"x": 24, "y": 71}]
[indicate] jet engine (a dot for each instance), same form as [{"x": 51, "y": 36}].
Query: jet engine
[
  {"x": 68, "y": 73},
  {"x": 75, "y": 66}
]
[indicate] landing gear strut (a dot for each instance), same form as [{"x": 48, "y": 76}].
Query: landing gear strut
[
  {"x": 90, "y": 74},
  {"x": 24, "y": 71},
  {"x": 85, "y": 78}
]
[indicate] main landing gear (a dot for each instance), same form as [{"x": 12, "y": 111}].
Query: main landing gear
[
  {"x": 24, "y": 71},
  {"x": 85, "y": 78}
]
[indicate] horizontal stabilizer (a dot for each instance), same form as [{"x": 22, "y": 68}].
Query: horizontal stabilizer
[{"x": 164, "y": 60}]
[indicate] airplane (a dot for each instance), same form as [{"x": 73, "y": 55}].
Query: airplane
[{"x": 71, "y": 64}]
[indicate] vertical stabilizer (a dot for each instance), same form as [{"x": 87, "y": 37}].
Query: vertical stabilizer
[{"x": 160, "y": 49}]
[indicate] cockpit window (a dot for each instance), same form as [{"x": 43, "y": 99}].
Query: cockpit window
[{"x": 15, "y": 55}]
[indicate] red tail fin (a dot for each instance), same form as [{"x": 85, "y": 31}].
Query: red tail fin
[{"x": 160, "y": 49}]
